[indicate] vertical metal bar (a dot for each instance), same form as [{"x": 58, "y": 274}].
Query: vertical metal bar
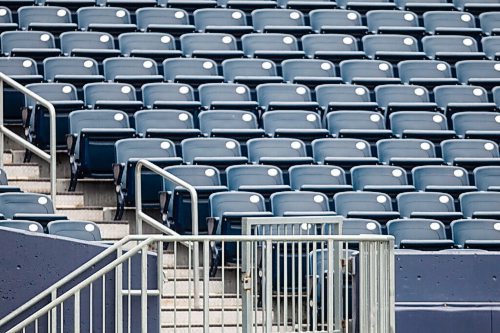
[
  {"x": 76, "y": 317},
  {"x": 144, "y": 289},
  {"x": 330, "y": 290},
  {"x": 91, "y": 308},
  {"x": 159, "y": 282},
  {"x": 238, "y": 286},
  {"x": 246, "y": 271},
  {"x": 392, "y": 286},
  {"x": 223, "y": 268},
  {"x": 53, "y": 153},
  {"x": 269, "y": 286},
  {"x": 53, "y": 313},
  {"x": 138, "y": 198},
  {"x": 129, "y": 295},
  {"x": 346, "y": 294},
  {"x": 338, "y": 285},
  {"x": 1, "y": 123},
  {"x": 175, "y": 286},
  {"x": 285, "y": 292},
  {"x": 315, "y": 277},
  {"x": 300, "y": 302},
  {"x": 206, "y": 286},
  {"x": 118, "y": 294},
  {"x": 103, "y": 305}
]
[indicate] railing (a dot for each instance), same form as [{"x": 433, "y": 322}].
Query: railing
[
  {"x": 279, "y": 302},
  {"x": 4, "y": 131}
]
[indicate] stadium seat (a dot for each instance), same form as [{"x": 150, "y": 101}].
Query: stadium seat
[
  {"x": 370, "y": 205},
  {"x": 476, "y": 6},
  {"x": 130, "y": 5},
  {"x": 426, "y": 73},
  {"x": 305, "y": 6},
  {"x": 361, "y": 227},
  {"x": 237, "y": 125},
  {"x": 81, "y": 230},
  {"x": 419, "y": 7},
  {"x": 4, "y": 184},
  {"x": 394, "y": 22},
  {"x": 380, "y": 178},
  {"x": 223, "y": 96},
  {"x": 113, "y": 20},
  {"x": 484, "y": 205},
  {"x": 450, "y": 23},
  {"x": 175, "y": 125},
  {"x": 470, "y": 153},
  {"x": 496, "y": 96},
  {"x": 220, "y": 20},
  {"x": 435, "y": 205},
  {"x": 337, "y": 21},
  {"x": 303, "y": 125},
  {"x": 407, "y": 153},
  {"x": 71, "y": 5},
  {"x": 176, "y": 204},
  {"x": 262, "y": 179},
  {"x": 419, "y": 234},
  {"x": 27, "y": 206},
  {"x": 326, "y": 179},
  {"x": 173, "y": 21},
  {"x": 300, "y": 203},
  {"x": 155, "y": 45},
  {"x": 332, "y": 47},
  {"x": 216, "y": 46},
  {"x": 250, "y": 72},
  {"x": 6, "y": 22},
  {"x": 369, "y": 73},
  {"x": 286, "y": 21},
  {"x": 430, "y": 126},
  {"x": 477, "y": 125},
  {"x": 487, "y": 178},
  {"x": 479, "y": 72},
  {"x": 310, "y": 72},
  {"x": 278, "y": 96},
  {"x": 451, "y": 48},
  {"x": 74, "y": 70},
  {"x": 95, "y": 45},
  {"x": 33, "y": 44},
  {"x": 448, "y": 179},
  {"x": 169, "y": 96},
  {"x": 453, "y": 99},
  {"x": 22, "y": 225},
  {"x": 51, "y": 18},
  {"x": 91, "y": 143},
  {"x": 333, "y": 97},
  {"x": 368, "y": 125},
  {"x": 344, "y": 153},
  {"x": 36, "y": 118},
  {"x": 281, "y": 152},
  {"x": 191, "y": 71},
  {"x": 363, "y": 6},
  {"x": 119, "y": 96},
  {"x": 490, "y": 23},
  {"x": 272, "y": 46},
  {"x": 187, "y": 5},
  {"x": 128, "y": 152},
  {"x": 217, "y": 152},
  {"x": 481, "y": 234},
  {"x": 392, "y": 98},
  {"x": 135, "y": 71},
  {"x": 392, "y": 48}
]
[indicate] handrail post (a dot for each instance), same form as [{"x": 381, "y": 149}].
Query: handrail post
[{"x": 1, "y": 123}]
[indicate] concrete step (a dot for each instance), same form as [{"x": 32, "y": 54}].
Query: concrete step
[
  {"x": 7, "y": 158},
  {"x": 62, "y": 161},
  {"x": 22, "y": 171},
  {"x": 113, "y": 230},
  {"x": 84, "y": 213},
  {"x": 183, "y": 288},
  {"x": 217, "y": 318},
  {"x": 217, "y": 302}
]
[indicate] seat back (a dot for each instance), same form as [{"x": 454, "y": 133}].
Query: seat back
[
  {"x": 234, "y": 68},
  {"x": 279, "y": 92},
  {"x": 300, "y": 120},
  {"x": 298, "y": 201},
  {"x": 209, "y": 147},
  {"x": 160, "y": 16},
  {"x": 153, "y": 92},
  {"x": 134, "y": 66},
  {"x": 188, "y": 66},
  {"x": 236, "y": 202},
  {"x": 428, "y": 69},
  {"x": 154, "y": 41},
  {"x": 346, "y": 202},
  {"x": 339, "y": 17},
  {"x": 412, "y": 202},
  {"x": 87, "y": 40},
  {"x": 162, "y": 119},
  {"x": 434, "y": 44},
  {"x": 390, "y": 18},
  {"x": 82, "y": 230},
  {"x": 341, "y": 93},
  {"x": 424, "y": 176},
  {"x": 79, "y": 120},
  {"x": 253, "y": 175},
  {"x": 49, "y": 14},
  {"x": 207, "y": 41},
  {"x": 102, "y": 15},
  {"x": 380, "y": 175},
  {"x": 469, "y": 148},
  {"x": 351, "y": 69},
  {"x": 276, "y": 147},
  {"x": 268, "y": 42},
  {"x": 294, "y": 68},
  {"x": 440, "y": 19},
  {"x": 389, "y": 43},
  {"x": 473, "y": 202},
  {"x": 417, "y": 120},
  {"x": 26, "y": 40},
  {"x": 25, "y": 203},
  {"x": 416, "y": 148},
  {"x": 263, "y": 18},
  {"x": 415, "y": 229},
  {"x": 323, "y": 148},
  {"x": 301, "y": 175},
  {"x": 95, "y": 92},
  {"x": 475, "y": 230},
  {"x": 475, "y": 121},
  {"x": 468, "y": 69},
  {"x": 69, "y": 66},
  {"x": 487, "y": 176},
  {"x": 210, "y": 120},
  {"x": 367, "y": 120},
  {"x": 328, "y": 42},
  {"x": 395, "y": 93},
  {"x": 212, "y": 92},
  {"x": 210, "y": 17}
]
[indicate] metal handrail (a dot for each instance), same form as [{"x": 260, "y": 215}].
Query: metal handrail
[
  {"x": 4, "y": 131},
  {"x": 140, "y": 216}
]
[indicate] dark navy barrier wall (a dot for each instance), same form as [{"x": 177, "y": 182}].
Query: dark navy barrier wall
[{"x": 31, "y": 263}]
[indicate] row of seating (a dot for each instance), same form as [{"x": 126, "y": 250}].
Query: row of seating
[
  {"x": 82, "y": 230},
  {"x": 58, "y": 19}
]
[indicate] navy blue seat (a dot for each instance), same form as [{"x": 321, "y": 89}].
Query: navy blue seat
[
  {"x": 75, "y": 70},
  {"x": 451, "y": 48},
  {"x": 490, "y": 23},
  {"x": 426, "y": 73},
  {"x": 238, "y": 125},
  {"x": 281, "y": 152},
  {"x": 345, "y": 153},
  {"x": 371, "y": 205},
  {"x": 327, "y": 179},
  {"x": 81, "y": 230},
  {"x": 276, "y": 96},
  {"x": 479, "y": 72},
  {"x": 392, "y": 98},
  {"x": 6, "y": 22},
  {"x": 392, "y": 48},
  {"x": 337, "y": 21},
  {"x": 435, "y": 205},
  {"x": 95, "y": 45},
  {"x": 176, "y": 206},
  {"x": 454, "y": 99},
  {"x": 287, "y": 21},
  {"x": 419, "y": 234},
  {"x": 309, "y": 72},
  {"x": 33, "y": 44},
  {"x": 380, "y": 178},
  {"x": 476, "y": 234},
  {"x": 232, "y": 96},
  {"x": 271, "y": 46},
  {"x": 169, "y": 96},
  {"x": 407, "y": 153},
  {"x": 394, "y": 22},
  {"x": 191, "y": 71},
  {"x": 262, "y": 179},
  {"x": 333, "y": 97},
  {"x": 480, "y": 205},
  {"x": 127, "y": 153},
  {"x": 114, "y": 20},
  {"x": 53, "y": 19},
  {"x": 22, "y": 225},
  {"x": 451, "y": 23},
  {"x": 368, "y": 125},
  {"x": 470, "y": 153},
  {"x": 91, "y": 143},
  {"x": 332, "y": 47},
  {"x": 216, "y": 46},
  {"x": 119, "y": 96},
  {"x": 369, "y": 73},
  {"x": 448, "y": 179},
  {"x": 220, "y": 20},
  {"x": 487, "y": 178},
  {"x": 477, "y": 125},
  {"x": 27, "y": 206},
  {"x": 300, "y": 203},
  {"x": 303, "y": 125},
  {"x": 430, "y": 126},
  {"x": 173, "y": 21},
  {"x": 250, "y": 72},
  {"x": 154, "y": 45},
  {"x": 135, "y": 71}
]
